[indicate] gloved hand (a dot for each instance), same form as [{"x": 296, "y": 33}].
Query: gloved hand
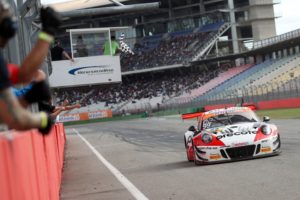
[
  {"x": 46, "y": 123},
  {"x": 50, "y": 20},
  {"x": 46, "y": 106},
  {"x": 40, "y": 91}
]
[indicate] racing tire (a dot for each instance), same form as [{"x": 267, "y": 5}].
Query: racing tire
[
  {"x": 279, "y": 145},
  {"x": 278, "y": 150},
  {"x": 185, "y": 144}
]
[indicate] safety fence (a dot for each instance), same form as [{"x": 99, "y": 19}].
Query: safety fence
[{"x": 31, "y": 164}]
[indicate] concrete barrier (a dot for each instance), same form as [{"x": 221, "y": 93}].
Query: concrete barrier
[{"x": 280, "y": 103}]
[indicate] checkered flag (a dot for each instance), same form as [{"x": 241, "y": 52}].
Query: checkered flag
[{"x": 124, "y": 47}]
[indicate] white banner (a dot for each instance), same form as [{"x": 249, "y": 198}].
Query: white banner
[
  {"x": 84, "y": 116},
  {"x": 98, "y": 114},
  {"x": 85, "y": 71},
  {"x": 68, "y": 118}
]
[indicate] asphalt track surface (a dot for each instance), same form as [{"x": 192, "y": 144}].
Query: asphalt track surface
[{"x": 150, "y": 154}]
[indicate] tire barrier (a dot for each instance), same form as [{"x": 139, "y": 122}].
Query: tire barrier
[{"x": 31, "y": 164}]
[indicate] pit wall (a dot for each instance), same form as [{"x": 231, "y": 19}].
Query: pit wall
[
  {"x": 265, "y": 105},
  {"x": 31, "y": 164}
]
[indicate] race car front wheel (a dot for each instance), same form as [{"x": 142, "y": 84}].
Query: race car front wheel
[
  {"x": 196, "y": 162},
  {"x": 187, "y": 151}
]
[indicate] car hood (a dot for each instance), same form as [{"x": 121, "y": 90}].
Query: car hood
[{"x": 236, "y": 134}]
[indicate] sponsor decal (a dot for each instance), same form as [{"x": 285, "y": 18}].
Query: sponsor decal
[
  {"x": 189, "y": 141},
  {"x": 240, "y": 144},
  {"x": 215, "y": 130},
  {"x": 67, "y": 118},
  {"x": 92, "y": 70},
  {"x": 215, "y": 156},
  {"x": 228, "y": 110},
  {"x": 219, "y": 137},
  {"x": 265, "y": 149},
  {"x": 208, "y": 148}
]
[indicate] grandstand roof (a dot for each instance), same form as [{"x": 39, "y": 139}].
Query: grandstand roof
[{"x": 81, "y": 4}]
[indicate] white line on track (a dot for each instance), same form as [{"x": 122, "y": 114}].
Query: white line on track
[{"x": 123, "y": 180}]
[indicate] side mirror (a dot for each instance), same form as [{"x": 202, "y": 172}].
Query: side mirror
[
  {"x": 266, "y": 119},
  {"x": 192, "y": 128}
]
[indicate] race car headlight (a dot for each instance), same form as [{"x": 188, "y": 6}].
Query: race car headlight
[
  {"x": 265, "y": 129},
  {"x": 206, "y": 138}
]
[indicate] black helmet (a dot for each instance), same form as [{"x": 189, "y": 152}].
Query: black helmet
[{"x": 8, "y": 22}]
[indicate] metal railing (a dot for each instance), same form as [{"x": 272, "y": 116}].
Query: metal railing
[
  {"x": 276, "y": 39},
  {"x": 256, "y": 93}
]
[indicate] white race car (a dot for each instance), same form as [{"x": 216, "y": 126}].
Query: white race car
[{"x": 230, "y": 134}]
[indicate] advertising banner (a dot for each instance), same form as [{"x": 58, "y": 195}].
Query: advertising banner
[
  {"x": 84, "y": 116},
  {"x": 68, "y": 118},
  {"x": 85, "y": 71},
  {"x": 100, "y": 114}
]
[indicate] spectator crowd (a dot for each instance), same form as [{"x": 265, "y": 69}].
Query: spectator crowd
[
  {"x": 167, "y": 84},
  {"x": 175, "y": 49}
]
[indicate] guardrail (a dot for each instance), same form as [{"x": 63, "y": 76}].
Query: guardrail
[{"x": 31, "y": 164}]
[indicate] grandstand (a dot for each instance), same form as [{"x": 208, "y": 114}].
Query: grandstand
[
  {"x": 264, "y": 73},
  {"x": 157, "y": 75},
  {"x": 190, "y": 53},
  {"x": 185, "y": 51},
  {"x": 168, "y": 42}
]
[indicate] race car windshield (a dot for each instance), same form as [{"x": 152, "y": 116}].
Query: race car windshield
[{"x": 229, "y": 118}]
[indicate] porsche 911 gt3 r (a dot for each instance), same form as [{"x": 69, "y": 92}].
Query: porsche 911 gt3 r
[{"x": 230, "y": 134}]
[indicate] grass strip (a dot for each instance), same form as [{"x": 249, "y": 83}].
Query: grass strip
[{"x": 291, "y": 113}]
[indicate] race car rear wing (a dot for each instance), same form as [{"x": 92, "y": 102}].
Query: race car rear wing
[
  {"x": 191, "y": 115},
  {"x": 199, "y": 114},
  {"x": 250, "y": 105}
]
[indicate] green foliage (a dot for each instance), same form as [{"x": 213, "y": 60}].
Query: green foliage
[{"x": 293, "y": 113}]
